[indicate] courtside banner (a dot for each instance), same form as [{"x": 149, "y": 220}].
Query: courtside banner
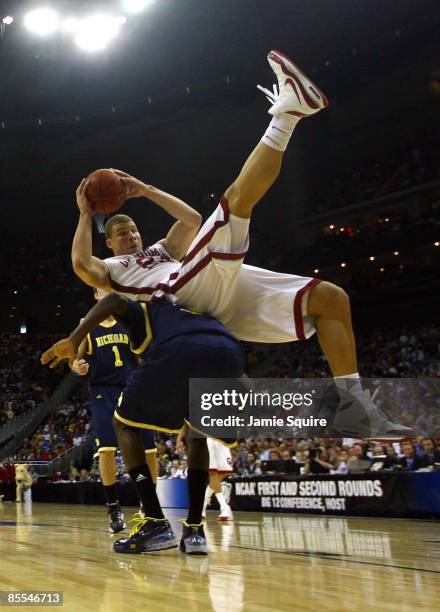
[
  {"x": 309, "y": 407},
  {"x": 399, "y": 495}
]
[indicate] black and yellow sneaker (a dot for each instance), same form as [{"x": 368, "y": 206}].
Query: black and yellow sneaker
[
  {"x": 115, "y": 518},
  {"x": 193, "y": 540},
  {"x": 147, "y": 535}
]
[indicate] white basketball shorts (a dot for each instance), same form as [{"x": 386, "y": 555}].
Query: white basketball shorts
[
  {"x": 257, "y": 305},
  {"x": 220, "y": 459}
]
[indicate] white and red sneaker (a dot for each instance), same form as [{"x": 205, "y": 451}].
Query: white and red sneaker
[
  {"x": 226, "y": 515},
  {"x": 296, "y": 93}
]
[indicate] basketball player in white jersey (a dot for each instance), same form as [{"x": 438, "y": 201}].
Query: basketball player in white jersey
[
  {"x": 203, "y": 269},
  {"x": 220, "y": 467}
]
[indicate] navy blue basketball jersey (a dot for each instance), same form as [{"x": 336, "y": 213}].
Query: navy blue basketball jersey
[
  {"x": 152, "y": 324},
  {"x": 109, "y": 355}
]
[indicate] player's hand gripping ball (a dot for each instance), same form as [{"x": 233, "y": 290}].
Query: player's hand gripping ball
[{"x": 106, "y": 191}]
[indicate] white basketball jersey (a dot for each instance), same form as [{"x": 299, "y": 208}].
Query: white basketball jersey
[{"x": 140, "y": 274}]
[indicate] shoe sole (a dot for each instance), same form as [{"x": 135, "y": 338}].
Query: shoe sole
[
  {"x": 157, "y": 547},
  {"x": 117, "y": 530},
  {"x": 334, "y": 433},
  {"x": 193, "y": 550},
  {"x": 153, "y": 548},
  {"x": 280, "y": 59}
]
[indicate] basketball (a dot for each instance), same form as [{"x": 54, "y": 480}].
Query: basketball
[{"x": 106, "y": 191}]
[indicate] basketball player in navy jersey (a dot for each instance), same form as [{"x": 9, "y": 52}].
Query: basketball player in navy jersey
[
  {"x": 106, "y": 355},
  {"x": 176, "y": 345}
]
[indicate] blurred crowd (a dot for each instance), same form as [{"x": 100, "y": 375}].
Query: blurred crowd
[
  {"x": 24, "y": 384},
  {"x": 42, "y": 265},
  {"x": 65, "y": 427},
  {"x": 417, "y": 162},
  {"x": 400, "y": 355},
  {"x": 256, "y": 457},
  {"x": 405, "y": 352}
]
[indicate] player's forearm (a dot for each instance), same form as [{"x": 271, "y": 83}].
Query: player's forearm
[
  {"x": 182, "y": 434},
  {"x": 112, "y": 304},
  {"x": 173, "y": 206},
  {"x": 82, "y": 246}
]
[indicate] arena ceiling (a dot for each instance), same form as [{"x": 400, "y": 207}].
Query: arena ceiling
[{"x": 189, "y": 43}]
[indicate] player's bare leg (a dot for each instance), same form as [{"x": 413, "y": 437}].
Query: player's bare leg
[
  {"x": 152, "y": 532},
  {"x": 329, "y": 306},
  {"x": 295, "y": 98},
  {"x": 298, "y": 97},
  {"x": 358, "y": 416},
  {"x": 215, "y": 488},
  {"x": 107, "y": 470},
  {"x": 257, "y": 175},
  {"x": 151, "y": 458}
]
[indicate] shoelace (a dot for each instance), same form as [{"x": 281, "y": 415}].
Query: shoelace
[
  {"x": 196, "y": 526},
  {"x": 140, "y": 521},
  {"x": 272, "y": 96},
  {"x": 379, "y": 411}
]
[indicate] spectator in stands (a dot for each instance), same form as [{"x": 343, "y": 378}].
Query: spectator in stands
[
  {"x": 410, "y": 461},
  {"x": 73, "y": 472},
  {"x": 358, "y": 460},
  {"x": 174, "y": 468},
  {"x": 430, "y": 451},
  {"x": 252, "y": 466},
  {"x": 182, "y": 471},
  {"x": 342, "y": 462},
  {"x": 381, "y": 460},
  {"x": 317, "y": 461},
  {"x": 300, "y": 456}
]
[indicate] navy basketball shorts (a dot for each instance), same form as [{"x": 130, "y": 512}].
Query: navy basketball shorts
[
  {"x": 104, "y": 401},
  {"x": 157, "y": 396}
]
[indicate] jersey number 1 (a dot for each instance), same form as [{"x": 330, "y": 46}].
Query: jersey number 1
[{"x": 118, "y": 360}]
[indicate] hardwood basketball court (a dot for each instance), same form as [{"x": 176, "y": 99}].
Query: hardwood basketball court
[{"x": 259, "y": 562}]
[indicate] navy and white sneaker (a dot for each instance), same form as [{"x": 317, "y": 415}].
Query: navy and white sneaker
[
  {"x": 115, "y": 518},
  {"x": 193, "y": 540},
  {"x": 147, "y": 535}
]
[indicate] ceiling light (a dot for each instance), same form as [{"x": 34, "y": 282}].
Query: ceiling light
[
  {"x": 42, "y": 21},
  {"x": 136, "y": 6},
  {"x": 95, "y": 33}
]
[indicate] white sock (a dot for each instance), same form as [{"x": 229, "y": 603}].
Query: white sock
[
  {"x": 221, "y": 500},
  {"x": 350, "y": 383},
  {"x": 280, "y": 130}
]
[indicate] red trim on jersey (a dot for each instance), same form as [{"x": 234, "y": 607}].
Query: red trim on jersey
[
  {"x": 216, "y": 255},
  {"x": 195, "y": 270},
  {"x": 210, "y": 234},
  {"x": 220, "y": 471},
  {"x": 297, "y": 314}
]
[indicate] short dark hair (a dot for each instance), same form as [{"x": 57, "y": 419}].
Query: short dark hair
[
  {"x": 120, "y": 218},
  {"x": 433, "y": 440}
]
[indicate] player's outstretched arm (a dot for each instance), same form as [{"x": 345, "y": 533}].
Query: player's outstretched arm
[
  {"x": 90, "y": 269},
  {"x": 67, "y": 348},
  {"x": 79, "y": 365},
  {"x": 189, "y": 220}
]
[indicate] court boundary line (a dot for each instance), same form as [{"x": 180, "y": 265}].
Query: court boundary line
[{"x": 329, "y": 558}]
